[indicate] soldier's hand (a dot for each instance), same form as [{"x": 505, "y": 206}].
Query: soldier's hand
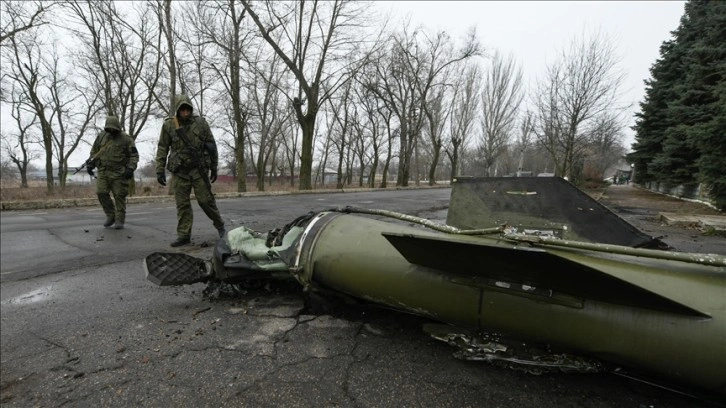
[
  {"x": 128, "y": 173},
  {"x": 89, "y": 169},
  {"x": 213, "y": 176},
  {"x": 161, "y": 178}
]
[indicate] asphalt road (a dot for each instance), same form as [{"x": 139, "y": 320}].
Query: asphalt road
[
  {"x": 82, "y": 327},
  {"x": 47, "y": 241}
]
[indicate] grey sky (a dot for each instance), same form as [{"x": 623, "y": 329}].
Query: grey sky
[{"x": 535, "y": 31}]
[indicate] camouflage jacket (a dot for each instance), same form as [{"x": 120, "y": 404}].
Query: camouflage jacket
[
  {"x": 174, "y": 154},
  {"x": 114, "y": 152}
]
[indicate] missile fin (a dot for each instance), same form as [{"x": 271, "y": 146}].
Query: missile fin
[{"x": 490, "y": 262}]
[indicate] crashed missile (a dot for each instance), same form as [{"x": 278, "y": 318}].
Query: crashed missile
[{"x": 503, "y": 289}]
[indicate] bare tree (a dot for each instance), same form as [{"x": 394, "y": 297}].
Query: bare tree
[
  {"x": 120, "y": 58},
  {"x": 321, "y": 48},
  {"x": 220, "y": 25},
  {"x": 374, "y": 112},
  {"x": 361, "y": 143},
  {"x": 465, "y": 105},
  {"x": 327, "y": 142},
  {"x": 166, "y": 26},
  {"x": 8, "y": 170},
  {"x": 63, "y": 110},
  {"x": 19, "y": 147},
  {"x": 19, "y": 16},
  {"x": 193, "y": 57},
  {"x": 416, "y": 64},
  {"x": 579, "y": 87},
  {"x": 437, "y": 111},
  {"x": 524, "y": 140},
  {"x": 341, "y": 109},
  {"x": 391, "y": 136},
  {"x": 270, "y": 116},
  {"x": 606, "y": 149},
  {"x": 392, "y": 82},
  {"x": 25, "y": 69},
  {"x": 433, "y": 65},
  {"x": 291, "y": 152},
  {"x": 73, "y": 114},
  {"x": 501, "y": 96}
]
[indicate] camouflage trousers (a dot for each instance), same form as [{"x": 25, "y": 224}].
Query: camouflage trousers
[
  {"x": 107, "y": 183},
  {"x": 182, "y": 184}
]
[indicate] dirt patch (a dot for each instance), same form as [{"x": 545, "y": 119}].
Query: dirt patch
[
  {"x": 624, "y": 197},
  {"x": 643, "y": 208}
]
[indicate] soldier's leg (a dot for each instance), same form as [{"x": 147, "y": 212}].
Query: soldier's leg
[
  {"x": 104, "y": 198},
  {"x": 184, "y": 214},
  {"x": 206, "y": 200},
  {"x": 120, "y": 188}
]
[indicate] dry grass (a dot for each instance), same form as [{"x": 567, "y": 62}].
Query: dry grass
[{"x": 37, "y": 190}]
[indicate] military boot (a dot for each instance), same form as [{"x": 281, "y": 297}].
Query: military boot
[
  {"x": 109, "y": 221},
  {"x": 179, "y": 242},
  {"x": 221, "y": 231},
  {"x": 119, "y": 225}
]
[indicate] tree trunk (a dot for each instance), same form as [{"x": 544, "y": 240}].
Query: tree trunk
[
  {"x": 435, "y": 162},
  {"x": 62, "y": 172},
  {"x": 455, "y": 159},
  {"x": 403, "y": 156},
  {"x": 306, "y": 159},
  {"x": 239, "y": 158},
  {"x": 48, "y": 145},
  {"x": 374, "y": 169}
]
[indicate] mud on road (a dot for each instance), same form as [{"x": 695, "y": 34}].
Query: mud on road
[{"x": 643, "y": 208}]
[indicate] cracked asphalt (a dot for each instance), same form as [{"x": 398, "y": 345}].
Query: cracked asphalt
[{"x": 101, "y": 335}]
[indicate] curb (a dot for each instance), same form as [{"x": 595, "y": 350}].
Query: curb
[
  {"x": 88, "y": 202},
  {"x": 715, "y": 223}
]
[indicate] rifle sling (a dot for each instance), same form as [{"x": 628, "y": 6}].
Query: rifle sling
[{"x": 183, "y": 134}]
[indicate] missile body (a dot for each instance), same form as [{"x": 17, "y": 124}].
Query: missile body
[
  {"x": 566, "y": 274},
  {"x": 661, "y": 316}
]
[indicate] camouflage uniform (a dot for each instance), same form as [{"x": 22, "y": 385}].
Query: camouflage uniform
[
  {"x": 114, "y": 154},
  {"x": 187, "y": 174}
]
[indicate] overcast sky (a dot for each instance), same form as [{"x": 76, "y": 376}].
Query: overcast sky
[{"x": 534, "y": 32}]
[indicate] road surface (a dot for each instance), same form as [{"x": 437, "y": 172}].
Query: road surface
[{"x": 82, "y": 327}]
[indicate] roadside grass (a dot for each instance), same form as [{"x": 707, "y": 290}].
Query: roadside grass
[
  {"x": 10, "y": 190},
  {"x": 37, "y": 190}
]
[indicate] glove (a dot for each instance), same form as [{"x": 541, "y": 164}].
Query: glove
[
  {"x": 213, "y": 176},
  {"x": 161, "y": 178},
  {"x": 89, "y": 169},
  {"x": 128, "y": 173}
]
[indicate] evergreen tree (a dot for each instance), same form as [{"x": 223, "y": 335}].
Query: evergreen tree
[
  {"x": 653, "y": 119},
  {"x": 706, "y": 96},
  {"x": 681, "y": 128}
]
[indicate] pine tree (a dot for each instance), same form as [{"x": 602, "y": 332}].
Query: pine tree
[
  {"x": 681, "y": 128},
  {"x": 653, "y": 119},
  {"x": 706, "y": 95}
]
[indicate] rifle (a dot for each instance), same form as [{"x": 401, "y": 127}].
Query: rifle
[
  {"x": 85, "y": 164},
  {"x": 193, "y": 153},
  {"x": 94, "y": 157}
]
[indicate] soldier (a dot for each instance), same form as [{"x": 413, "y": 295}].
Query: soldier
[
  {"x": 192, "y": 152},
  {"x": 114, "y": 154}
]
